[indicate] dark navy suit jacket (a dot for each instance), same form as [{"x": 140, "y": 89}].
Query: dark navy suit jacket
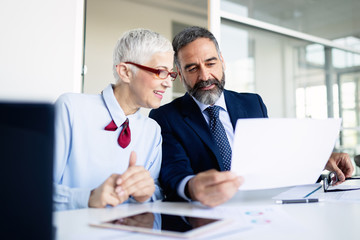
[{"x": 188, "y": 147}]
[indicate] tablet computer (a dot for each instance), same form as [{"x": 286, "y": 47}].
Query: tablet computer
[{"x": 172, "y": 225}]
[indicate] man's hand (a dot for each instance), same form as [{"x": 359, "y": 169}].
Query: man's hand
[
  {"x": 136, "y": 181},
  {"x": 213, "y": 188},
  {"x": 341, "y": 164}
]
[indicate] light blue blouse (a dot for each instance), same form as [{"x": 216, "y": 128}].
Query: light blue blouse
[{"x": 86, "y": 154}]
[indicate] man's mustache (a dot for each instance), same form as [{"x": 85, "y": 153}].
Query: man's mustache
[{"x": 207, "y": 83}]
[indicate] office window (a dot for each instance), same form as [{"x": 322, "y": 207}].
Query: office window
[
  {"x": 342, "y": 59},
  {"x": 238, "y": 52},
  {"x": 262, "y": 62},
  {"x": 311, "y": 102},
  {"x": 327, "y": 19},
  {"x": 296, "y": 76}
]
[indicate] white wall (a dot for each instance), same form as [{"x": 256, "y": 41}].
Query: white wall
[
  {"x": 40, "y": 48},
  {"x": 108, "y": 19}
]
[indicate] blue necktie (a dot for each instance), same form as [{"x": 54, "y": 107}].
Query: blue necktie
[{"x": 219, "y": 134}]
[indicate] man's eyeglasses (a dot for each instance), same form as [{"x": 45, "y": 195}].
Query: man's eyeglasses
[
  {"x": 160, "y": 73},
  {"x": 331, "y": 179}
]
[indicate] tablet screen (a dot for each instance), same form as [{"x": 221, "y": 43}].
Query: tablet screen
[
  {"x": 163, "y": 224},
  {"x": 169, "y": 222}
]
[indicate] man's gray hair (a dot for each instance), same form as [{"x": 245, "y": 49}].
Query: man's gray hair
[
  {"x": 189, "y": 35},
  {"x": 138, "y": 46}
]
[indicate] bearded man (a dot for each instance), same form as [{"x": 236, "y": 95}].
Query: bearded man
[{"x": 198, "y": 128}]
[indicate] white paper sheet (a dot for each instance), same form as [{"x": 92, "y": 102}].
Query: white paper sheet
[
  {"x": 272, "y": 153},
  {"x": 252, "y": 220},
  {"x": 298, "y": 192}
]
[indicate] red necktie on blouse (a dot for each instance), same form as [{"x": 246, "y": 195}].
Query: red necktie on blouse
[{"x": 125, "y": 134}]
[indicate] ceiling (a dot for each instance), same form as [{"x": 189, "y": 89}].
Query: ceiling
[
  {"x": 329, "y": 19},
  {"x": 324, "y": 18},
  {"x": 190, "y": 7}
]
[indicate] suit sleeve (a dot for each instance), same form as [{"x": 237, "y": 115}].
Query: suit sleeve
[
  {"x": 262, "y": 106},
  {"x": 175, "y": 163}
]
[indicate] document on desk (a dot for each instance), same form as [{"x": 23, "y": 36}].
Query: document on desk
[
  {"x": 300, "y": 192},
  {"x": 346, "y": 195},
  {"x": 316, "y": 191},
  {"x": 273, "y": 153},
  {"x": 249, "y": 221}
]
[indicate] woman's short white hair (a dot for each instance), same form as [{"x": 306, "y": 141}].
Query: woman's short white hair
[{"x": 138, "y": 46}]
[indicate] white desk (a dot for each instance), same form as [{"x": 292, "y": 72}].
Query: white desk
[{"x": 323, "y": 220}]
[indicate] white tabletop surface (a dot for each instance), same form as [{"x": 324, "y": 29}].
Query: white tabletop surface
[{"x": 323, "y": 220}]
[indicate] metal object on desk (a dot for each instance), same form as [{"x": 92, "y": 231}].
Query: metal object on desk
[
  {"x": 357, "y": 160},
  {"x": 357, "y": 164},
  {"x": 331, "y": 179}
]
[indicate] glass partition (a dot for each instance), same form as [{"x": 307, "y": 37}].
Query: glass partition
[{"x": 295, "y": 76}]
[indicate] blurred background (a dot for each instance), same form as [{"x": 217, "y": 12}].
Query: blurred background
[{"x": 301, "y": 56}]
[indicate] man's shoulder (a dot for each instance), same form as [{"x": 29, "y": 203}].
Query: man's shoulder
[
  {"x": 171, "y": 107},
  {"x": 252, "y": 103},
  {"x": 243, "y": 95}
]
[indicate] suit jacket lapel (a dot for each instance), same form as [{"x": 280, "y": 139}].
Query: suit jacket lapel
[
  {"x": 234, "y": 108},
  {"x": 194, "y": 118}
]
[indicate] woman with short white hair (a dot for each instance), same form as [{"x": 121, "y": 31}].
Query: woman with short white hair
[{"x": 107, "y": 152}]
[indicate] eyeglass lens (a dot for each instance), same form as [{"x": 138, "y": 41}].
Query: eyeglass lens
[{"x": 163, "y": 74}]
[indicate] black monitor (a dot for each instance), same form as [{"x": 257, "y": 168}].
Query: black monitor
[{"x": 26, "y": 158}]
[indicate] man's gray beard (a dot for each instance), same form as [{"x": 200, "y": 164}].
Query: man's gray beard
[{"x": 207, "y": 97}]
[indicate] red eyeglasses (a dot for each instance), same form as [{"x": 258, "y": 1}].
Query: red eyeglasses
[{"x": 160, "y": 73}]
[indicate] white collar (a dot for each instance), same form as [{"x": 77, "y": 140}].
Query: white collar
[
  {"x": 116, "y": 112},
  {"x": 220, "y": 102}
]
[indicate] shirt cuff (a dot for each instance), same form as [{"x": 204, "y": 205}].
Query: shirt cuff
[
  {"x": 181, "y": 187},
  {"x": 80, "y": 198},
  {"x": 66, "y": 198}
]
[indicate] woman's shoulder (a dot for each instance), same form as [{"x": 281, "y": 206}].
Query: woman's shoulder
[{"x": 76, "y": 99}]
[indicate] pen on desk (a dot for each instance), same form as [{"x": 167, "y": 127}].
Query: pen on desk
[{"x": 302, "y": 200}]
